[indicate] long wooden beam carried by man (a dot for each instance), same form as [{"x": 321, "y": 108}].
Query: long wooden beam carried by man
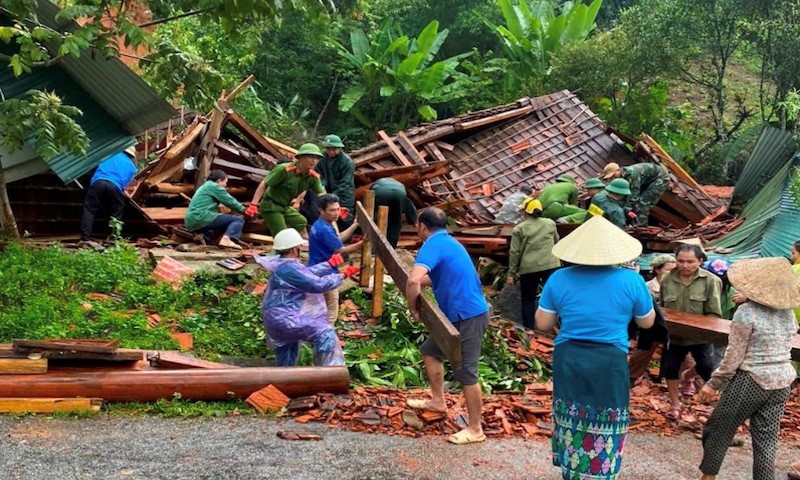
[{"x": 442, "y": 331}]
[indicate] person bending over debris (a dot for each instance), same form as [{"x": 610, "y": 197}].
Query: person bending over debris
[
  {"x": 560, "y": 200},
  {"x": 391, "y": 193},
  {"x": 107, "y": 190},
  {"x": 756, "y": 368},
  {"x": 293, "y": 309},
  {"x": 324, "y": 244},
  {"x": 511, "y": 212},
  {"x": 530, "y": 260},
  {"x": 648, "y": 182},
  {"x": 203, "y": 213},
  {"x": 338, "y": 177},
  {"x": 445, "y": 265},
  {"x": 282, "y": 186},
  {"x": 608, "y": 203},
  {"x": 590, "y": 367}
]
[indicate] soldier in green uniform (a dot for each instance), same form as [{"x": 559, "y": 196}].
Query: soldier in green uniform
[
  {"x": 647, "y": 181},
  {"x": 338, "y": 177},
  {"x": 282, "y": 186},
  {"x": 391, "y": 193},
  {"x": 593, "y": 186},
  {"x": 560, "y": 199},
  {"x": 608, "y": 203}
]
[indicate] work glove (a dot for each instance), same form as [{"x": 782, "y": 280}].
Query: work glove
[
  {"x": 251, "y": 210},
  {"x": 350, "y": 271},
  {"x": 632, "y": 215},
  {"x": 344, "y": 213},
  {"x": 336, "y": 260}
]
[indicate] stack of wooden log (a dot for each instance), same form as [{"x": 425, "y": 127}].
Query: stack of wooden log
[{"x": 77, "y": 375}]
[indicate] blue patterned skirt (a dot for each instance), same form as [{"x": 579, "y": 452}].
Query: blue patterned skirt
[{"x": 590, "y": 410}]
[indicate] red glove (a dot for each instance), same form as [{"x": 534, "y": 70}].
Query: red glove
[
  {"x": 336, "y": 260},
  {"x": 350, "y": 270},
  {"x": 251, "y": 210},
  {"x": 632, "y": 215},
  {"x": 344, "y": 213}
]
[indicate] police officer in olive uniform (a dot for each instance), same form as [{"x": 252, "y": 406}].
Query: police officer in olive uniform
[
  {"x": 283, "y": 185},
  {"x": 560, "y": 199},
  {"x": 608, "y": 203},
  {"x": 647, "y": 181}
]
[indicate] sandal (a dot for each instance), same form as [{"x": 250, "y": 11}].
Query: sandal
[
  {"x": 673, "y": 414},
  {"x": 419, "y": 404},
  {"x": 688, "y": 389},
  {"x": 464, "y": 437}
]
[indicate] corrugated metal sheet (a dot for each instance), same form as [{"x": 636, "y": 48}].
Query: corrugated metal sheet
[
  {"x": 772, "y": 150},
  {"x": 106, "y": 135},
  {"x": 125, "y": 96}
]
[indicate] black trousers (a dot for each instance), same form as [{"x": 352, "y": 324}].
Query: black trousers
[
  {"x": 394, "y": 200},
  {"x": 101, "y": 194},
  {"x": 529, "y": 284}
]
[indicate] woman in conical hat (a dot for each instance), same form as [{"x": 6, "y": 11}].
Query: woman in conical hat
[
  {"x": 595, "y": 300},
  {"x": 756, "y": 370}
]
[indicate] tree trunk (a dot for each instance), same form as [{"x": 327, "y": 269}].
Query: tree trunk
[{"x": 7, "y": 220}]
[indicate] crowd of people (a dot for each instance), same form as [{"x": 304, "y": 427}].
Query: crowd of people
[{"x": 590, "y": 296}]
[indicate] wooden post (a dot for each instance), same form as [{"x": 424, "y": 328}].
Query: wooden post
[
  {"x": 366, "y": 248},
  {"x": 377, "y": 284}
]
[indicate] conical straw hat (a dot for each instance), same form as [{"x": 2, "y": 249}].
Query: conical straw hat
[
  {"x": 768, "y": 281},
  {"x": 597, "y": 242}
]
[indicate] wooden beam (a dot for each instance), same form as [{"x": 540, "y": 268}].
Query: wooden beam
[
  {"x": 689, "y": 211},
  {"x": 260, "y": 141},
  {"x": 207, "y": 145},
  {"x": 396, "y": 153},
  {"x": 45, "y": 345},
  {"x": 668, "y": 218},
  {"x": 377, "y": 284},
  {"x": 18, "y": 366},
  {"x": 119, "y": 355},
  {"x": 518, "y": 112},
  {"x": 49, "y": 405},
  {"x": 366, "y": 247},
  {"x": 178, "y": 360},
  {"x": 164, "y": 175},
  {"x": 392, "y": 171},
  {"x": 441, "y": 330},
  {"x": 247, "y": 81},
  {"x": 180, "y": 149},
  {"x": 409, "y": 147}
]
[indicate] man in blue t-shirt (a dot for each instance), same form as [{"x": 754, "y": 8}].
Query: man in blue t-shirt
[
  {"x": 445, "y": 265},
  {"x": 107, "y": 188},
  {"x": 324, "y": 242}
]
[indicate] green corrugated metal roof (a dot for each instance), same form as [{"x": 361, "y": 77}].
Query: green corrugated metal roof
[
  {"x": 125, "y": 96},
  {"x": 106, "y": 135},
  {"x": 773, "y": 149}
]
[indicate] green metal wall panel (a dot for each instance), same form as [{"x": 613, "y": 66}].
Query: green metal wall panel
[{"x": 773, "y": 149}]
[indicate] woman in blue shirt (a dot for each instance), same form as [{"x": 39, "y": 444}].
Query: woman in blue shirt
[{"x": 595, "y": 301}]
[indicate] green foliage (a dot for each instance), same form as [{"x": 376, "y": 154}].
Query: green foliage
[{"x": 176, "y": 407}]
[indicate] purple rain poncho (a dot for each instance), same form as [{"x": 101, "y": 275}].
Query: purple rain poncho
[{"x": 294, "y": 307}]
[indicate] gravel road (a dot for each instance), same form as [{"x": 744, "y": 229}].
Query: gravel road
[{"x": 232, "y": 448}]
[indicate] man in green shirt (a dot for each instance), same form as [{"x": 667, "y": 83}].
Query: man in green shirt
[
  {"x": 338, "y": 177},
  {"x": 648, "y": 182},
  {"x": 560, "y": 199},
  {"x": 285, "y": 185},
  {"x": 608, "y": 203},
  {"x": 688, "y": 288},
  {"x": 391, "y": 193},
  {"x": 203, "y": 214}
]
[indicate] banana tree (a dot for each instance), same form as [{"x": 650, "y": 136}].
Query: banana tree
[
  {"x": 397, "y": 77},
  {"x": 534, "y": 33}
]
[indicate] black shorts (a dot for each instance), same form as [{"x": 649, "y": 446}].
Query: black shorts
[{"x": 471, "y": 331}]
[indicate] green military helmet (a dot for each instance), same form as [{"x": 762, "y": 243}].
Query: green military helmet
[
  {"x": 620, "y": 186},
  {"x": 333, "y": 141},
  {"x": 566, "y": 178},
  {"x": 594, "y": 183},
  {"x": 309, "y": 149}
]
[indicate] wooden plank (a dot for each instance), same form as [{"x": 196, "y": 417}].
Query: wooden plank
[
  {"x": 380, "y": 152},
  {"x": 119, "y": 355},
  {"x": 668, "y": 218},
  {"x": 180, "y": 149},
  {"x": 19, "y": 366},
  {"x": 440, "y": 328},
  {"x": 366, "y": 247},
  {"x": 164, "y": 175},
  {"x": 207, "y": 147},
  {"x": 396, "y": 153},
  {"x": 518, "y": 112},
  {"x": 178, "y": 360},
  {"x": 260, "y": 141},
  {"x": 409, "y": 147},
  {"x": 59, "y": 345},
  {"x": 377, "y": 284},
  {"x": 444, "y": 145},
  {"x": 240, "y": 168},
  {"x": 689, "y": 211},
  {"x": 392, "y": 171},
  {"x": 247, "y": 81},
  {"x": 49, "y": 405},
  {"x": 212, "y": 254},
  {"x": 257, "y": 238},
  {"x": 166, "y": 215}
]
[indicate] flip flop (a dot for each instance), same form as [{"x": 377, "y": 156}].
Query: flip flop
[
  {"x": 673, "y": 414},
  {"x": 419, "y": 404},
  {"x": 464, "y": 437}
]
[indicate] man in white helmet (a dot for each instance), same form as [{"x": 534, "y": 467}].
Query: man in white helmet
[{"x": 294, "y": 309}]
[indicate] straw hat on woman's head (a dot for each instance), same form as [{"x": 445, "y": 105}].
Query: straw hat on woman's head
[
  {"x": 597, "y": 242},
  {"x": 768, "y": 281}
]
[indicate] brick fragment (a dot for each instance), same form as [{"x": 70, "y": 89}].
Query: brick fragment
[{"x": 268, "y": 399}]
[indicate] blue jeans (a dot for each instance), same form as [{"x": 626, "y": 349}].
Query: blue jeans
[{"x": 230, "y": 225}]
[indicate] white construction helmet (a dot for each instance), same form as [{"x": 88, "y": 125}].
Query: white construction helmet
[{"x": 287, "y": 239}]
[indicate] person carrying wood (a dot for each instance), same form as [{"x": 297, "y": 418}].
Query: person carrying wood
[
  {"x": 445, "y": 265},
  {"x": 338, "y": 177},
  {"x": 325, "y": 244},
  {"x": 391, "y": 193},
  {"x": 560, "y": 200},
  {"x": 203, "y": 214},
  {"x": 293, "y": 309},
  {"x": 647, "y": 181},
  {"x": 107, "y": 190},
  {"x": 511, "y": 211},
  {"x": 284, "y": 186},
  {"x": 608, "y": 203}
]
